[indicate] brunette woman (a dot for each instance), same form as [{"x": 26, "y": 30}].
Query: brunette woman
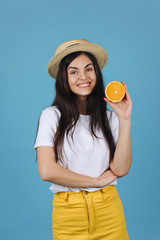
[{"x": 82, "y": 148}]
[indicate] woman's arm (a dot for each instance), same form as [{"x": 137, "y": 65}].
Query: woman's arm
[
  {"x": 50, "y": 171},
  {"x": 121, "y": 162}
]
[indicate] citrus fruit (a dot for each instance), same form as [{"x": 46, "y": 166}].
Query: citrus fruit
[{"x": 115, "y": 91}]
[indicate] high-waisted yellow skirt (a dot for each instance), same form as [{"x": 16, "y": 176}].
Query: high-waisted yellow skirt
[{"x": 89, "y": 215}]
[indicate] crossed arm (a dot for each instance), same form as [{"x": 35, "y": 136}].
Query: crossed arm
[{"x": 51, "y": 171}]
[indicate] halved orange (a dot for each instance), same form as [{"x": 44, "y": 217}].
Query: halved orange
[{"x": 115, "y": 91}]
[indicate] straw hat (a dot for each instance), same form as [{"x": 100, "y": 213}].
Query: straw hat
[{"x": 74, "y": 46}]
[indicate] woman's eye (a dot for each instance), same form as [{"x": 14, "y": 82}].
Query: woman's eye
[
  {"x": 89, "y": 69},
  {"x": 74, "y": 72}
]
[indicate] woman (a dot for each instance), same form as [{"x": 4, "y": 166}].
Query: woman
[{"x": 82, "y": 148}]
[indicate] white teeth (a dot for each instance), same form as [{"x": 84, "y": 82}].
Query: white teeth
[{"x": 84, "y": 85}]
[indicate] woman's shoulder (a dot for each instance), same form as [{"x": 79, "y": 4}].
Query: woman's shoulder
[
  {"x": 111, "y": 114},
  {"x": 52, "y": 111},
  {"x": 49, "y": 117},
  {"x": 114, "y": 124},
  {"x": 112, "y": 117}
]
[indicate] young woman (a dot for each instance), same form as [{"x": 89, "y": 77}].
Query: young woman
[{"x": 82, "y": 148}]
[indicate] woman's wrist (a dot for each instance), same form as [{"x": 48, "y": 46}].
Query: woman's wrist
[{"x": 124, "y": 123}]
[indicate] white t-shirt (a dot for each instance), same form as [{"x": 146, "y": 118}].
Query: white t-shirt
[{"x": 87, "y": 155}]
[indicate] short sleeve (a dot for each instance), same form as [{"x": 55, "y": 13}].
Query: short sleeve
[
  {"x": 114, "y": 124},
  {"x": 47, "y": 127}
]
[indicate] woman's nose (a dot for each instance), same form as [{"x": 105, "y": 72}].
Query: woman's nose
[{"x": 82, "y": 75}]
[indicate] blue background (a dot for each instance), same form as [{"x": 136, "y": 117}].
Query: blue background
[{"x": 30, "y": 33}]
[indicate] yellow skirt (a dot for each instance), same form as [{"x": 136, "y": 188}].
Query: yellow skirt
[{"x": 89, "y": 215}]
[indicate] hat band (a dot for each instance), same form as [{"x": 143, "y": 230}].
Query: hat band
[{"x": 72, "y": 45}]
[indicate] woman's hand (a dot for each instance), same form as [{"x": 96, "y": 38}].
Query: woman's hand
[
  {"x": 123, "y": 108},
  {"x": 106, "y": 178}
]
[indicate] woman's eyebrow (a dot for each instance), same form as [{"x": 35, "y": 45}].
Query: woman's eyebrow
[
  {"x": 84, "y": 67},
  {"x": 73, "y": 68},
  {"x": 88, "y": 65}
]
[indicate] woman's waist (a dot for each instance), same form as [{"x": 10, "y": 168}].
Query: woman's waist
[
  {"x": 55, "y": 188},
  {"x": 76, "y": 197}
]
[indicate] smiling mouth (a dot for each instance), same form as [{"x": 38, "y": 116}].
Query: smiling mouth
[{"x": 84, "y": 85}]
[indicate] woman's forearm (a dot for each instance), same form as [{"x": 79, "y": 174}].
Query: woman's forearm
[
  {"x": 121, "y": 162},
  {"x": 65, "y": 177},
  {"x": 51, "y": 171}
]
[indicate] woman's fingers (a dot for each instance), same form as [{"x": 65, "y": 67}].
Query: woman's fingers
[
  {"x": 106, "y": 178},
  {"x": 126, "y": 91},
  {"x": 109, "y": 103}
]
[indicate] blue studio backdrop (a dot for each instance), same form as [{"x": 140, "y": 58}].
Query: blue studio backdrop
[{"x": 30, "y": 33}]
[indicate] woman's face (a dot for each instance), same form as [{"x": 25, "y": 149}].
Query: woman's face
[{"x": 81, "y": 76}]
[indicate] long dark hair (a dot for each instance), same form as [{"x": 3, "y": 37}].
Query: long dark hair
[{"x": 65, "y": 100}]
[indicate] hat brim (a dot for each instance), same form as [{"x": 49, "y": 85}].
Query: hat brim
[{"x": 98, "y": 51}]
